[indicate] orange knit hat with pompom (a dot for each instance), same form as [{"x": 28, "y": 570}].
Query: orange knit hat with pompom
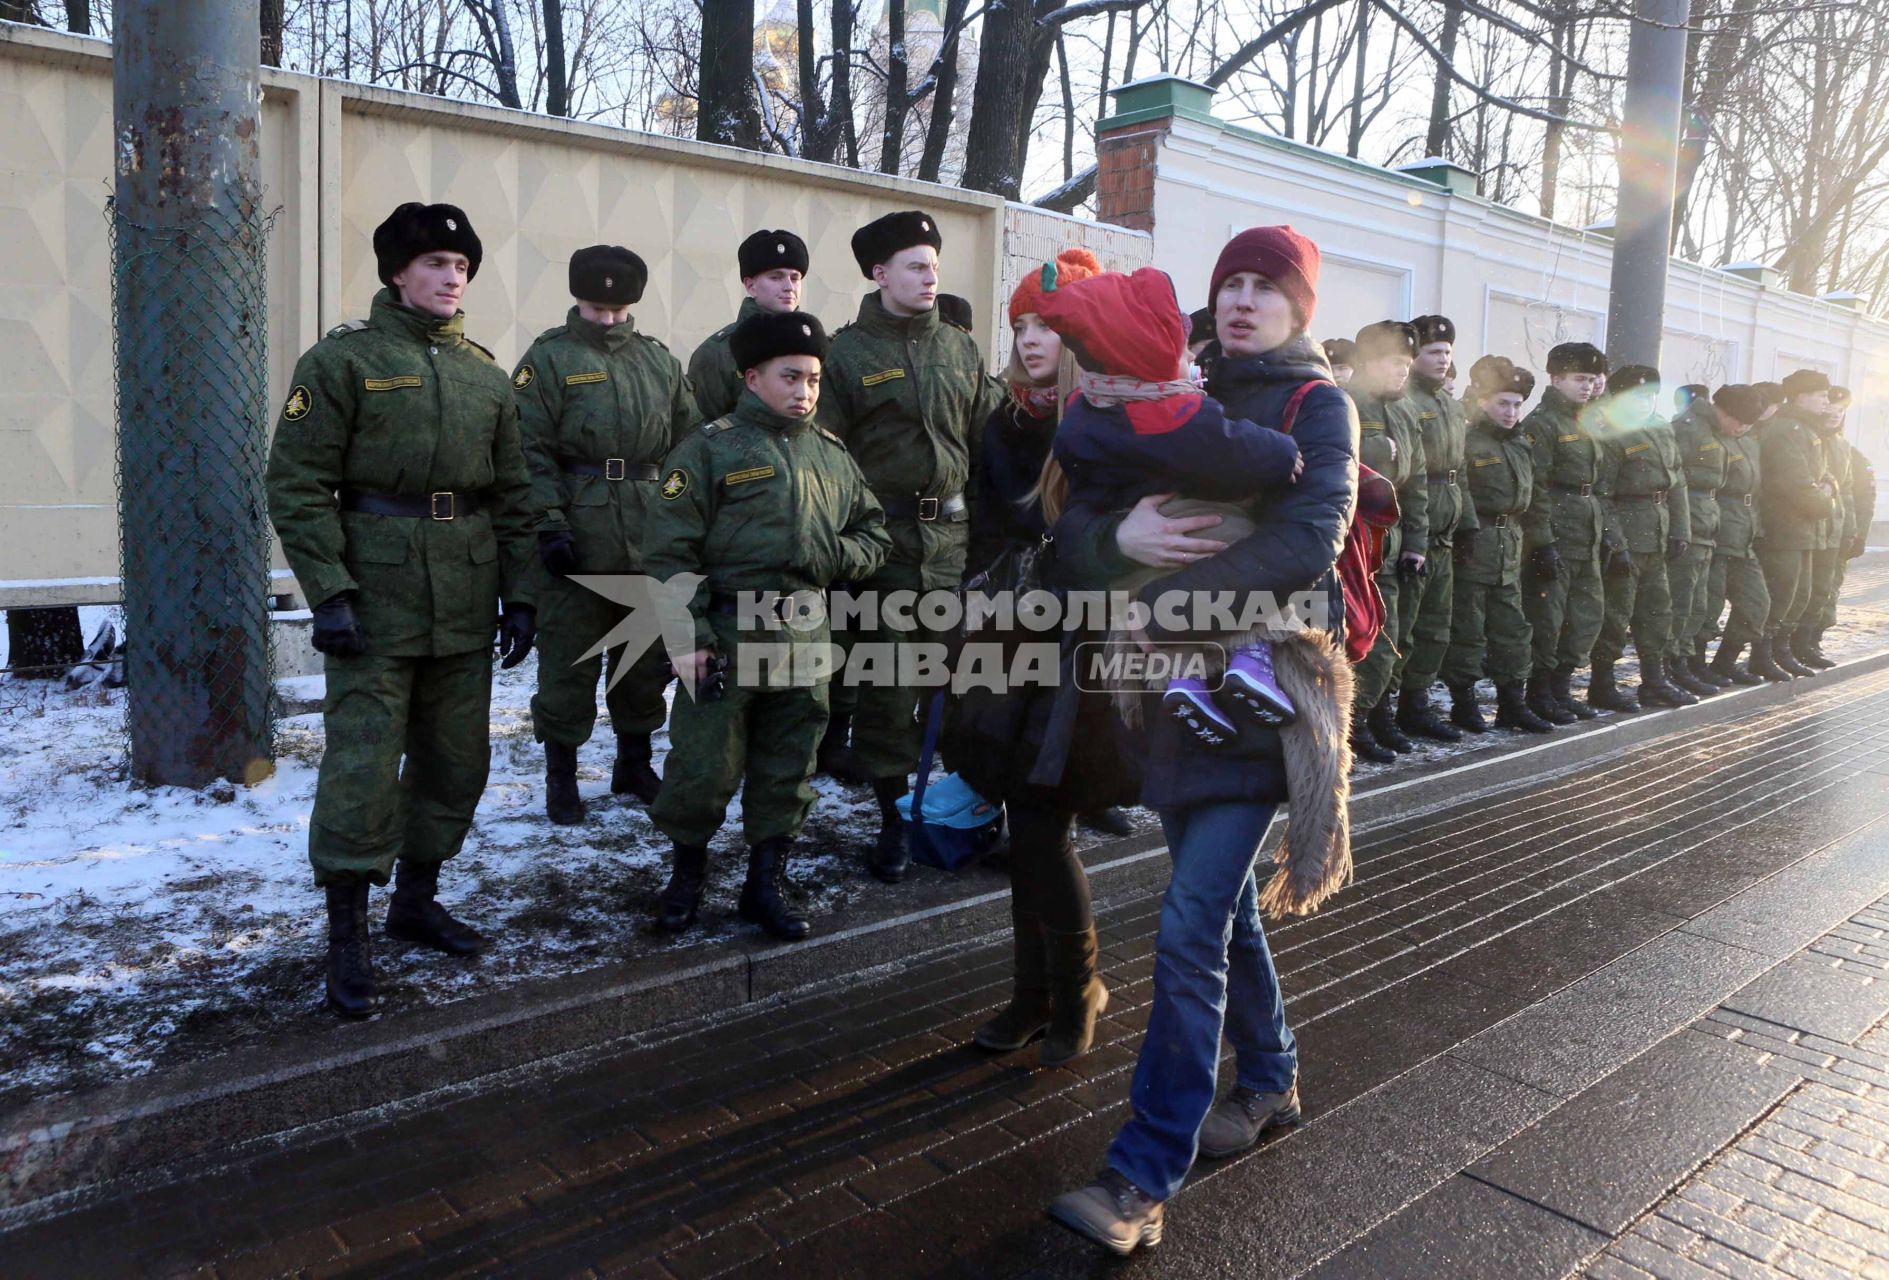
[{"x": 1071, "y": 265}]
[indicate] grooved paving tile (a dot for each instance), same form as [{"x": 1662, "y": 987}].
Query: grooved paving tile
[
  {"x": 1464, "y": 1230},
  {"x": 1807, "y": 994}
]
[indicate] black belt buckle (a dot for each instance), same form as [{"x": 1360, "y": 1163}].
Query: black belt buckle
[
  {"x": 614, "y": 468},
  {"x": 928, "y": 509},
  {"x": 435, "y": 507}
]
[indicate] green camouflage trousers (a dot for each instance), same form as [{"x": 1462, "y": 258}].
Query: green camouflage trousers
[
  {"x": 1787, "y": 576},
  {"x": 1741, "y": 581},
  {"x": 1373, "y": 676},
  {"x": 1432, "y": 620},
  {"x": 1639, "y": 602},
  {"x": 564, "y": 710},
  {"x": 1690, "y": 577},
  {"x": 1825, "y": 580},
  {"x": 1488, "y": 630},
  {"x": 369, "y": 809},
  {"x": 760, "y": 741},
  {"x": 1564, "y": 612}
]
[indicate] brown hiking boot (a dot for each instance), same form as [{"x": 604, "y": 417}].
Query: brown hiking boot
[
  {"x": 1113, "y": 1212},
  {"x": 1237, "y": 1122}
]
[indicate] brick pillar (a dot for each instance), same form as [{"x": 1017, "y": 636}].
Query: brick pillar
[{"x": 1128, "y": 143}]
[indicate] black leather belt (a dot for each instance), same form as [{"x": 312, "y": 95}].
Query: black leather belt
[
  {"x": 1585, "y": 490},
  {"x": 1709, "y": 493},
  {"x": 611, "y": 469},
  {"x": 442, "y": 504},
  {"x": 1502, "y": 522},
  {"x": 1443, "y": 477},
  {"x": 950, "y": 509},
  {"x": 1657, "y": 497},
  {"x": 729, "y": 604},
  {"x": 1745, "y": 496}
]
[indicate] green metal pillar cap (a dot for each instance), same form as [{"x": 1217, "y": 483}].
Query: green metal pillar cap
[{"x": 1159, "y": 97}]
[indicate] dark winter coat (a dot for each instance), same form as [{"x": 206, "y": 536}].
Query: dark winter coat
[
  {"x": 1299, "y": 534},
  {"x": 1212, "y": 455}
]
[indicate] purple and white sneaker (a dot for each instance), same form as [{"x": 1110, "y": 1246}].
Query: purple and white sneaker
[
  {"x": 1251, "y": 686},
  {"x": 1188, "y": 701}
]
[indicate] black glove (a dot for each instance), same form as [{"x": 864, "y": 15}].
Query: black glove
[
  {"x": 1856, "y": 549},
  {"x": 558, "y": 550},
  {"x": 1546, "y": 561},
  {"x": 714, "y": 685},
  {"x": 336, "y": 630},
  {"x": 1466, "y": 545},
  {"x": 1619, "y": 562},
  {"x": 517, "y": 628},
  {"x": 1410, "y": 565},
  {"x": 1676, "y": 548}
]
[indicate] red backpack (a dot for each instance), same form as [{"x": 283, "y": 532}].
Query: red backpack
[{"x": 1363, "y": 552}]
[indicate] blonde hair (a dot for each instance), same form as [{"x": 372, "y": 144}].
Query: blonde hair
[{"x": 1052, "y": 486}]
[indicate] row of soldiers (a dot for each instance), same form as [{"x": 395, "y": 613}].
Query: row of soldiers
[
  {"x": 1529, "y": 546},
  {"x": 425, "y": 499}
]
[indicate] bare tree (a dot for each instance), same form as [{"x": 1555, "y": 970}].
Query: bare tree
[
  {"x": 557, "y": 99},
  {"x": 728, "y": 109}
]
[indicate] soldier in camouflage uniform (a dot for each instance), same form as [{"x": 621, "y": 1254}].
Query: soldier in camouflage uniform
[
  {"x": 1444, "y": 422},
  {"x": 1488, "y": 629},
  {"x": 398, "y": 489},
  {"x": 1862, "y": 503},
  {"x": 909, "y": 395},
  {"x": 1732, "y": 472},
  {"x": 1642, "y": 479},
  {"x": 600, "y": 404},
  {"x": 1795, "y": 502},
  {"x": 1562, "y": 532},
  {"x": 758, "y": 501},
  {"x": 1702, "y": 455},
  {"x": 1391, "y": 444},
  {"x": 1839, "y": 534},
  {"x": 773, "y": 265}
]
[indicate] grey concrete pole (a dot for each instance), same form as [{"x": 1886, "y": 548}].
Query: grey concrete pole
[
  {"x": 190, "y": 312},
  {"x": 1649, "y": 160}
]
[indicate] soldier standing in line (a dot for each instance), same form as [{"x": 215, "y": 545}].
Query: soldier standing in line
[
  {"x": 1862, "y": 502},
  {"x": 767, "y": 507},
  {"x": 908, "y": 395},
  {"x": 1341, "y": 354},
  {"x": 1702, "y": 455},
  {"x": 1488, "y": 629},
  {"x": 1391, "y": 444},
  {"x": 1642, "y": 480},
  {"x": 1839, "y": 534},
  {"x": 1562, "y": 533},
  {"x": 773, "y": 265},
  {"x": 1797, "y": 498},
  {"x": 600, "y": 404},
  {"x": 1453, "y": 523},
  {"x": 1736, "y": 574},
  {"x": 398, "y": 488}
]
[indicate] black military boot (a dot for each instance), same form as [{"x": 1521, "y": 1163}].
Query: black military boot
[
  {"x": 633, "y": 774},
  {"x": 1604, "y": 695},
  {"x": 1416, "y": 715},
  {"x": 1656, "y": 690},
  {"x": 764, "y": 898},
  {"x": 1725, "y": 665},
  {"x": 1383, "y": 723},
  {"x": 1763, "y": 665},
  {"x": 1781, "y": 655},
  {"x": 1366, "y": 747},
  {"x": 681, "y": 898},
  {"x": 562, "y": 804},
  {"x": 350, "y": 953},
  {"x": 1512, "y": 711},
  {"x": 835, "y": 756},
  {"x": 1702, "y": 670},
  {"x": 1806, "y": 649},
  {"x": 1465, "y": 712},
  {"x": 415, "y": 915},
  {"x": 1679, "y": 671},
  {"x": 1561, "y": 684},
  {"x": 1541, "y": 702},
  {"x": 887, "y": 859}
]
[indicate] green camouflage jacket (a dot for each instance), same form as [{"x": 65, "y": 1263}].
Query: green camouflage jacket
[
  {"x": 1792, "y": 505},
  {"x": 404, "y": 404},
  {"x": 604, "y": 395},
  {"x": 1445, "y": 423},
  {"x": 1738, "y": 522},
  {"x": 1567, "y": 459},
  {"x": 1702, "y": 453},
  {"x": 1391, "y": 443},
  {"x": 1644, "y": 482},
  {"x": 1501, "y": 482},
  {"x": 712, "y": 373},
  {"x": 1840, "y": 529}
]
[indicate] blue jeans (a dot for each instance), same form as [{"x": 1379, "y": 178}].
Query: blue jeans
[{"x": 1211, "y": 969}]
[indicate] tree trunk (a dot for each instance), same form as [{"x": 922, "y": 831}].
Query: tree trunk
[
  {"x": 79, "y": 17},
  {"x": 836, "y": 120},
  {"x": 943, "y": 95},
  {"x": 1011, "y": 65},
  {"x": 557, "y": 96},
  {"x": 1560, "y": 87},
  {"x": 1069, "y": 111},
  {"x": 897, "y": 97},
  {"x": 815, "y": 133},
  {"x": 271, "y": 22},
  {"x": 1438, "y": 141},
  {"x": 726, "y": 110},
  {"x": 1354, "y": 140}
]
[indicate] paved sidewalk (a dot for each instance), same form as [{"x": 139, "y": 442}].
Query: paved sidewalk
[{"x": 1494, "y": 962}]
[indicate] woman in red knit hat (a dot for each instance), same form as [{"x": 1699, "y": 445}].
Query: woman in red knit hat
[
  {"x": 995, "y": 735},
  {"x": 1213, "y": 974}
]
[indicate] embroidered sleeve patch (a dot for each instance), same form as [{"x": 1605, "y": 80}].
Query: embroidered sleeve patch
[
  {"x": 523, "y": 378},
  {"x": 1484, "y": 462},
  {"x": 395, "y": 384},
  {"x": 296, "y": 407},
  {"x": 1569, "y": 438},
  {"x": 1637, "y": 448},
  {"x": 579, "y": 379},
  {"x": 675, "y": 484},
  {"x": 885, "y": 375},
  {"x": 1370, "y": 424},
  {"x": 748, "y": 473},
  {"x": 1710, "y": 445}
]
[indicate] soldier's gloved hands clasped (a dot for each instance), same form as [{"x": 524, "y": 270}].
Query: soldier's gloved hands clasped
[
  {"x": 1619, "y": 562},
  {"x": 517, "y": 628},
  {"x": 1465, "y": 547},
  {"x": 1676, "y": 548},
  {"x": 557, "y": 548},
  {"x": 1856, "y": 549},
  {"x": 1546, "y": 561},
  {"x": 337, "y": 632},
  {"x": 1410, "y": 565}
]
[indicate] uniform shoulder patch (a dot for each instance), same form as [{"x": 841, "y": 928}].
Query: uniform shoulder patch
[
  {"x": 676, "y": 483},
  {"x": 346, "y": 327},
  {"x": 298, "y": 405},
  {"x": 525, "y": 376},
  {"x": 720, "y": 424}
]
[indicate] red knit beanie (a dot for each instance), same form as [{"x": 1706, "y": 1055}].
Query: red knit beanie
[
  {"x": 1128, "y": 325},
  {"x": 1071, "y": 265},
  {"x": 1280, "y": 254}
]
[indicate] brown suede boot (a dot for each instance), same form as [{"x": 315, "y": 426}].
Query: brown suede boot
[
  {"x": 1077, "y": 996},
  {"x": 1027, "y": 1015}
]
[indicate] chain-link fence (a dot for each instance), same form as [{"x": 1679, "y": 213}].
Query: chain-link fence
[{"x": 191, "y": 343}]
